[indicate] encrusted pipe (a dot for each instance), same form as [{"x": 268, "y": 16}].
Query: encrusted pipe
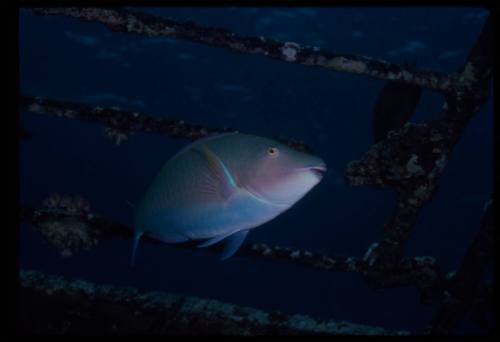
[
  {"x": 119, "y": 123},
  {"x": 70, "y": 232},
  {"x": 124, "y": 20},
  {"x": 53, "y": 304}
]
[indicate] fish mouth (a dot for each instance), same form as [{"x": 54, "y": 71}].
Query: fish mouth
[{"x": 318, "y": 170}]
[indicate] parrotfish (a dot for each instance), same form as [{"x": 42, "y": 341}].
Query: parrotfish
[{"x": 218, "y": 188}]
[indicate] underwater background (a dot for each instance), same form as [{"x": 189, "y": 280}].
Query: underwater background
[{"x": 67, "y": 59}]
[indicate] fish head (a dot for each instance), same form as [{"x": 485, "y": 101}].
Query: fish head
[{"x": 280, "y": 174}]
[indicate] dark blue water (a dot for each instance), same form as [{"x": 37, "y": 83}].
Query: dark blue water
[{"x": 71, "y": 60}]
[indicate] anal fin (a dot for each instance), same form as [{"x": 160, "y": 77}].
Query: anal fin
[
  {"x": 213, "y": 240},
  {"x": 135, "y": 243},
  {"x": 232, "y": 243}
]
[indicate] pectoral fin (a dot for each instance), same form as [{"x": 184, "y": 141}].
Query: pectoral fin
[{"x": 224, "y": 182}]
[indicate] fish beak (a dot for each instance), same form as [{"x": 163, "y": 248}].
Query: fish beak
[{"x": 318, "y": 170}]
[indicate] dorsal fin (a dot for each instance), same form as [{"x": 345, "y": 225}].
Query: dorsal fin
[{"x": 202, "y": 141}]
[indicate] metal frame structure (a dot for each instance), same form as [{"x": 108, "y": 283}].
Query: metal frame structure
[{"x": 410, "y": 160}]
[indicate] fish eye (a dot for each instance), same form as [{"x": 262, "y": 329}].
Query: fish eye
[{"x": 272, "y": 152}]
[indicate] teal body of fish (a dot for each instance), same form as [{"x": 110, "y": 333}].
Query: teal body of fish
[{"x": 218, "y": 188}]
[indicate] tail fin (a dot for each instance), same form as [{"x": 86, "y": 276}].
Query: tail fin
[{"x": 135, "y": 243}]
